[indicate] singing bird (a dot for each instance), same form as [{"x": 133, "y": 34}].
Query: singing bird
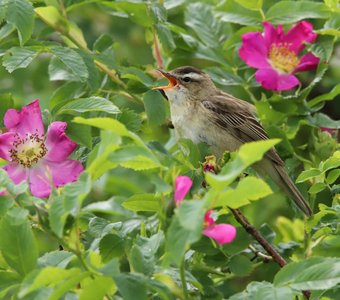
[{"x": 203, "y": 113}]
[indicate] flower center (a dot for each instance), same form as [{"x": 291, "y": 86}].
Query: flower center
[
  {"x": 27, "y": 151},
  {"x": 282, "y": 58}
]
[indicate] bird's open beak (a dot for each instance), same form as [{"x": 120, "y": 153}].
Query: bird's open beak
[{"x": 172, "y": 81}]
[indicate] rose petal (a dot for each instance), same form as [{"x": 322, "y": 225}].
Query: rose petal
[
  {"x": 298, "y": 35},
  {"x": 271, "y": 34},
  {"x": 307, "y": 62},
  {"x": 16, "y": 172},
  {"x": 208, "y": 220},
  {"x": 182, "y": 187},
  {"x": 28, "y": 120},
  {"x": 40, "y": 180},
  {"x": 6, "y": 140},
  {"x": 254, "y": 50},
  {"x": 221, "y": 233},
  {"x": 59, "y": 145},
  {"x": 65, "y": 172},
  {"x": 270, "y": 79}
]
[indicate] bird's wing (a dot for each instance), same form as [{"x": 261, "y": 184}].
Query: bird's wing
[{"x": 237, "y": 118}]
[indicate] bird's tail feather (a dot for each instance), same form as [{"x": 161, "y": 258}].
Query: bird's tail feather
[{"x": 288, "y": 185}]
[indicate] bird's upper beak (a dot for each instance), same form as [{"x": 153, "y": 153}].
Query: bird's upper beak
[{"x": 172, "y": 81}]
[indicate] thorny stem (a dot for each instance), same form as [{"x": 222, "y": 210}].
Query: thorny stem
[{"x": 240, "y": 218}]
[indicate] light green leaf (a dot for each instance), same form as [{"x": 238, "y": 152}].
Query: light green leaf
[
  {"x": 251, "y": 4},
  {"x": 332, "y": 176},
  {"x": 185, "y": 229},
  {"x": 72, "y": 61},
  {"x": 248, "y": 154},
  {"x": 55, "y": 259},
  {"x": 142, "y": 202},
  {"x": 332, "y": 162},
  {"x": 17, "y": 243},
  {"x": 17, "y": 58},
  {"x": 155, "y": 108},
  {"x": 325, "y": 97},
  {"x": 315, "y": 273},
  {"x": 231, "y": 11},
  {"x": 317, "y": 187},
  {"x": 248, "y": 189},
  {"x": 93, "y": 103},
  {"x": 308, "y": 174},
  {"x": 264, "y": 291},
  {"x": 97, "y": 288},
  {"x": 20, "y": 14},
  {"x": 288, "y": 12}
]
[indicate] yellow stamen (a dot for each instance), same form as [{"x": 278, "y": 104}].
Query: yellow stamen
[
  {"x": 29, "y": 150},
  {"x": 282, "y": 58}
]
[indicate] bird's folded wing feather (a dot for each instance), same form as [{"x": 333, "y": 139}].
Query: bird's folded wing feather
[{"x": 237, "y": 118}]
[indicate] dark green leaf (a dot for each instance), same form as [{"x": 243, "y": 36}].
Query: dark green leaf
[
  {"x": 110, "y": 246},
  {"x": 155, "y": 108}
]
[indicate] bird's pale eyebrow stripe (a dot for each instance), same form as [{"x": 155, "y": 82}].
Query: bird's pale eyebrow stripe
[{"x": 193, "y": 76}]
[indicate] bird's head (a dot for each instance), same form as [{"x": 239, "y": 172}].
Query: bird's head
[{"x": 187, "y": 83}]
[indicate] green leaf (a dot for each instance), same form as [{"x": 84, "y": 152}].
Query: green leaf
[
  {"x": 332, "y": 162},
  {"x": 308, "y": 174},
  {"x": 317, "y": 187},
  {"x": 241, "y": 265},
  {"x": 185, "y": 229},
  {"x": 136, "y": 11},
  {"x": 197, "y": 16},
  {"x": 7, "y": 279},
  {"x": 17, "y": 243},
  {"x": 131, "y": 287},
  {"x": 264, "y": 291},
  {"x": 248, "y": 189},
  {"x": 110, "y": 246},
  {"x": 155, "y": 108},
  {"x": 72, "y": 61},
  {"x": 143, "y": 202},
  {"x": 93, "y": 103},
  {"x": 165, "y": 37},
  {"x": 55, "y": 259},
  {"x": 251, "y": 4},
  {"x": 248, "y": 154},
  {"x": 315, "y": 273},
  {"x": 97, "y": 288},
  {"x": 20, "y": 14},
  {"x": 325, "y": 97},
  {"x": 333, "y": 176},
  {"x": 231, "y": 11},
  {"x": 17, "y": 58},
  {"x": 288, "y": 12}
]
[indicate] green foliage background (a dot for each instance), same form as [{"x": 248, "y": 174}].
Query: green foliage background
[{"x": 114, "y": 234}]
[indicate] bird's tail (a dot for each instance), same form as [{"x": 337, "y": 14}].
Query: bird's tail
[{"x": 290, "y": 188}]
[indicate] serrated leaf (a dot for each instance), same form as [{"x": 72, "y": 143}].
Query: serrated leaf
[
  {"x": 316, "y": 273},
  {"x": 73, "y": 61},
  {"x": 154, "y": 108},
  {"x": 317, "y": 187},
  {"x": 287, "y": 12},
  {"x": 142, "y": 202},
  {"x": 308, "y": 174},
  {"x": 17, "y": 58},
  {"x": 248, "y": 189},
  {"x": 17, "y": 244},
  {"x": 93, "y": 103},
  {"x": 248, "y": 154},
  {"x": 20, "y": 14}
]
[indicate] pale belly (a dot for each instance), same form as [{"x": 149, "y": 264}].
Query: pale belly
[{"x": 191, "y": 126}]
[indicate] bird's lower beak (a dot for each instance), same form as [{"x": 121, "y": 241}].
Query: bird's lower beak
[{"x": 172, "y": 81}]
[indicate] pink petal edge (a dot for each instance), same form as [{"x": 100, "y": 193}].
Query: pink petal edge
[
  {"x": 254, "y": 50},
  {"x": 270, "y": 79},
  {"x": 221, "y": 233},
  {"x": 307, "y": 62},
  {"x": 16, "y": 172},
  {"x": 40, "y": 180},
  {"x": 182, "y": 187},
  {"x": 6, "y": 143},
  {"x": 59, "y": 145},
  {"x": 208, "y": 220},
  {"x": 28, "y": 120}
]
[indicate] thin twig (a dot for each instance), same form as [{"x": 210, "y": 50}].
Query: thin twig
[{"x": 240, "y": 217}]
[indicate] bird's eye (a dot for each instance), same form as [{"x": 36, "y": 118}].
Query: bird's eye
[{"x": 186, "y": 79}]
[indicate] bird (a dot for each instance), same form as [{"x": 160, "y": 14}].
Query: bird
[{"x": 202, "y": 112}]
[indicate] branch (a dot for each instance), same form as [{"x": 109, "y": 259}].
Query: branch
[{"x": 240, "y": 217}]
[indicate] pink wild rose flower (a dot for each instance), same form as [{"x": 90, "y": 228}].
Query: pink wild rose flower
[
  {"x": 40, "y": 159},
  {"x": 182, "y": 187},
  {"x": 276, "y": 54},
  {"x": 221, "y": 233}
]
